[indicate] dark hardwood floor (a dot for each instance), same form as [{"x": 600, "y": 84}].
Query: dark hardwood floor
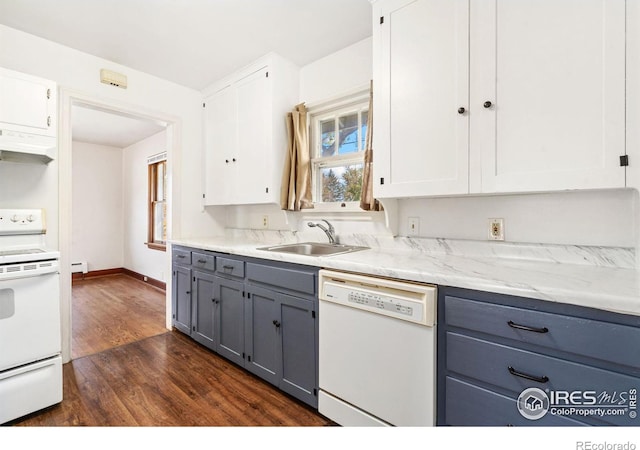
[
  {"x": 114, "y": 310},
  {"x": 165, "y": 379}
]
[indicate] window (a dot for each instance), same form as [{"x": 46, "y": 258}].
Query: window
[
  {"x": 338, "y": 139},
  {"x": 157, "y": 226}
]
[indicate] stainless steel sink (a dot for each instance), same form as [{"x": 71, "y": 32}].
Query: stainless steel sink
[{"x": 314, "y": 249}]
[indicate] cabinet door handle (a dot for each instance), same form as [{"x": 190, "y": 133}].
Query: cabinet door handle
[
  {"x": 461, "y": 110},
  {"x": 227, "y": 161},
  {"x": 542, "y": 379},
  {"x": 188, "y": 292},
  {"x": 487, "y": 104},
  {"x": 526, "y": 328},
  {"x": 234, "y": 160},
  {"x": 276, "y": 323}
]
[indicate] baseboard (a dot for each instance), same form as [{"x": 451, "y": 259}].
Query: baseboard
[
  {"x": 120, "y": 271},
  {"x": 152, "y": 281}
]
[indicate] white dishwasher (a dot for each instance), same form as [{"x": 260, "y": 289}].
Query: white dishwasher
[{"x": 377, "y": 351}]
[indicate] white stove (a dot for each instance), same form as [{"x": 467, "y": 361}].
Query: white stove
[{"x": 30, "y": 338}]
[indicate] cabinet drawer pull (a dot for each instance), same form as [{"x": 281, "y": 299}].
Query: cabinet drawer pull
[
  {"x": 181, "y": 256},
  {"x": 542, "y": 379},
  {"x": 487, "y": 104},
  {"x": 526, "y": 328},
  {"x": 202, "y": 261},
  {"x": 227, "y": 267}
]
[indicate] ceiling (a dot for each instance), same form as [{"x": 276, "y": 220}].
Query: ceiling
[
  {"x": 189, "y": 42},
  {"x": 112, "y": 129},
  {"x": 194, "y": 42}
]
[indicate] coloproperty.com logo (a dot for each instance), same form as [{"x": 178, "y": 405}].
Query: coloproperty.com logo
[{"x": 534, "y": 403}]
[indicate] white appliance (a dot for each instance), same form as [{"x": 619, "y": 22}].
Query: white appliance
[
  {"x": 30, "y": 339},
  {"x": 18, "y": 146},
  {"x": 377, "y": 351}
]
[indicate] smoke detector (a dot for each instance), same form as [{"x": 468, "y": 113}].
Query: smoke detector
[{"x": 113, "y": 78}]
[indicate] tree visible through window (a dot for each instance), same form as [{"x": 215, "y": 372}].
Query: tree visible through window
[
  {"x": 157, "y": 233},
  {"x": 338, "y": 143}
]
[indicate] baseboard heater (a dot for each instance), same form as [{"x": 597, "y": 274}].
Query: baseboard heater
[{"x": 79, "y": 267}]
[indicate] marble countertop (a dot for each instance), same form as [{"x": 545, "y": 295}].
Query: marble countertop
[{"x": 587, "y": 277}]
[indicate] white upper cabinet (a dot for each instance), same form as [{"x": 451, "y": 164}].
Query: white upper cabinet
[
  {"x": 245, "y": 133},
  {"x": 554, "y": 71},
  {"x": 421, "y": 80},
  {"x": 27, "y": 103},
  {"x": 542, "y": 84}
]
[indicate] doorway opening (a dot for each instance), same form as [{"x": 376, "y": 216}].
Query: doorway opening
[{"x": 106, "y": 151}]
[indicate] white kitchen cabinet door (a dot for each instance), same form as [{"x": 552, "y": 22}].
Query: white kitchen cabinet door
[
  {"x": 220, "y": 145},
  {"x": 554, "y": 72},
  {"x": 245, "y": 132},
  {"x": 421, "y": 81},
  {"x": 254, "y": 160},
  {"x": 27, "y": 103}
]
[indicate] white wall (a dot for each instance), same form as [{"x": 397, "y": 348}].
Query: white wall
[
  {"x": 97, "y": 221},
  {"x": 137, "y": 256},
  {"x": 606, "y": 218}
]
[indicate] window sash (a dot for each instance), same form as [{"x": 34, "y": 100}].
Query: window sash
[
  {"x": 157, "y": 220},
  {"x": 319, "y": 162}
]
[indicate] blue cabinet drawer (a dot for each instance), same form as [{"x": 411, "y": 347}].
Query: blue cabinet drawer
[
  {"x": 293, "y": 280},
  {"x": 181, "y": 256},
  {"x": 203, "y": 261},
  {"x": 508, "y": 368},
  {"x": 230, "y": 267},
  {"x": 471, "y": 405},
  {"x": 592, "y": 338}
]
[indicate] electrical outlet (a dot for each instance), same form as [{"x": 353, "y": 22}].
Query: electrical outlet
[
  {"x": 265, "y": 221},
  {"x": 496, "y": 229},
  {"x": 414, "y": 226}
]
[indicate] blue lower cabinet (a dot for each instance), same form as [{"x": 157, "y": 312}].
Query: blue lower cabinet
[{"x": 505, "y": 360}]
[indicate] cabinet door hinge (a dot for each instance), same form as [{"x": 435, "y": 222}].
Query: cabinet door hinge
[
  {"x": 48, "y": 93},
  {"x": 624, "y": 160},
  {"x": 381, "y": 20}
]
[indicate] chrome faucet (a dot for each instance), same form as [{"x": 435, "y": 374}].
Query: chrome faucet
[{"x": 329, "y": 231}]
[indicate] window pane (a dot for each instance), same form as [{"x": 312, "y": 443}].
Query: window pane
[
  {"x": 159, "y": 228},
  {"x": 363, "y": 132},
  {"x": 348, "y": 134},
  {"x": 328, "y": 137},
  {"x": 341, "y": 183},
  {"x": 159, "y": 182}
]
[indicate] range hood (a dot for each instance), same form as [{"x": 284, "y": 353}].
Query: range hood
[{"x": 22, "y": 147}]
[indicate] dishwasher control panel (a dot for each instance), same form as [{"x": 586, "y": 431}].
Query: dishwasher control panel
[{"x": 412, "y": 302}]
